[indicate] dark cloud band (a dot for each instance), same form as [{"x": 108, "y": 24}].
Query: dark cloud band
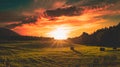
[{"x": 69, "y": 11}]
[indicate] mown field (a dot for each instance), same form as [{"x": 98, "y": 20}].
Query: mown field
[{"x": 56, "y": 54}]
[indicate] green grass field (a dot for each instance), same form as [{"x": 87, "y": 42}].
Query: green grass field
[{"x": 42, "y": 54}]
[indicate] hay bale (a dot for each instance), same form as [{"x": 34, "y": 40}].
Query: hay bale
[
  {"x": 114, "y": 48},
  {"x": 102, "y": 49},
  {"x": 71, "y": 48}
]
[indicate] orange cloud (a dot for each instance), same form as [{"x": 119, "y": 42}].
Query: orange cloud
[{"x": 88, "y": 21}]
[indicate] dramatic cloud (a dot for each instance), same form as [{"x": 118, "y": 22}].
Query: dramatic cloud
[
  {"x": 26, "y": 20},
  {"x": 43, "y": 16},
  {"x": 69, "y": 11}
]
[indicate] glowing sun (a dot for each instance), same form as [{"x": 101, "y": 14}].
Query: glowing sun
[{"x": 59, "y": 33}]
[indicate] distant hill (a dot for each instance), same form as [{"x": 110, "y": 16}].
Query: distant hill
[
  {"x": 102, "y": 37},
  {"x": 4, "y": 32},
  {"x": 9, "y": 35}
]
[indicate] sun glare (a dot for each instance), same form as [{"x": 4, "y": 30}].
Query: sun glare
[{"x": 59, "y": 34}]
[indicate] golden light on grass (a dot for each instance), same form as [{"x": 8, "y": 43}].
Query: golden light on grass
[{"x": 60, "y": 33}]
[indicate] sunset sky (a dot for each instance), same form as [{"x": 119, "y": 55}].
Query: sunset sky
[{"x": 41, "y": 17}]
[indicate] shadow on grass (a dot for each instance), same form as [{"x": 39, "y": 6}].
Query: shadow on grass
[{"x": 77, "y": 52}]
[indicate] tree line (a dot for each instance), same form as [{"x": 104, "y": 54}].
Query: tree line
[{"x": 102, "y": 37}]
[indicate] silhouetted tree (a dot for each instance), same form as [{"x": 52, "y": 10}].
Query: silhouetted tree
[{"x": 102, "y": 37}]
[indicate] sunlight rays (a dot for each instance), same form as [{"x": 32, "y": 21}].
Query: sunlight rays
[{"x": 60, "y": 43}]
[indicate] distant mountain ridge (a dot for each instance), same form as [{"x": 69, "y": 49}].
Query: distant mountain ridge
[
  {"x": 9, "y": 35},
  {"x": 102, "y": 37},
  {"x": 4, "y": 32}
]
